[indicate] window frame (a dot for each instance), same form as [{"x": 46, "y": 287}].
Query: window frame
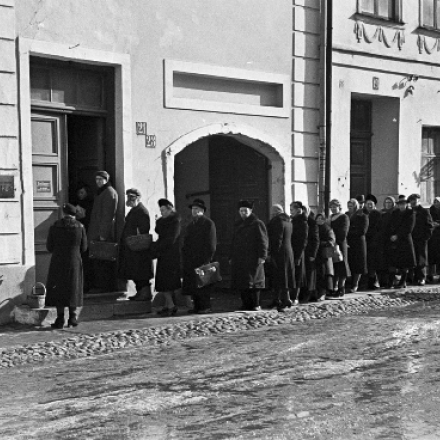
[
  {"x": 436, "y": 27},
  {"x": 429, "y": 185},
  {"x": 398, "y": 12}
]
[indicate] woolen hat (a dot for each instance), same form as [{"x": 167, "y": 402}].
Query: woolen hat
[
  {"x": 198, "y": 203},
  {"x": 69, "y": 209},
  {"x": 246, "y": 204},
  {"x": 102, "y": 174},
  {"x": 372, "y": 198},
  {"x": 165, "y": 202},
  {"x": 133, "y": 192},
  {"x": 360, "y": 198}
]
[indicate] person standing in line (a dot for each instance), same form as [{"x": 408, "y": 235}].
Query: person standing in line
[
  {"x": 66, "y": 241},
  {"x": 387, "y": 278},
  {"x": 136, "y": 265},
  {"x": 360, "y": 198},
  {"x": 421, "y": 233},
  {"x": 340, "y": 223},
  {"x": 300, "y": 229},
  {"x": 324, "y": 262},
  {"x": 280, "y": 259},
  {"x": 248, "y": 254},
  {"x": 401, "y": 254},
  {"x": 102, "y": 228},
  {"x": 357, "y": 244},
  {"x": 167, "y": 251},
  {"x": 372, "y": 238},
  {"x": 311, "y": 254},
  {"x": 434, "y": 241},
  {"x": 199, "y": 245}
]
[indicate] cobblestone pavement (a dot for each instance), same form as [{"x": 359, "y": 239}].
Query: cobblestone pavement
[{"x": 371, "y": 372}]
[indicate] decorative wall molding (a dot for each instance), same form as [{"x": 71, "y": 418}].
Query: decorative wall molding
[
  {"x": 380, "y": 35},
  {"x": 423, "y": 44}
]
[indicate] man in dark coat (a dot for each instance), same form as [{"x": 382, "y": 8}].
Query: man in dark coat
[
  {"x": 101, "y": 228},
  {"x": 300, "y": 230},
  {"x": 136, "y": 265},
  {"x": 199, "y": 245},
  {"x": 421, "y": 233},
  {"x": 248, "y": 253},
  {"x": 311, "y": 253},
  {"x": 66, "y": 240},
  {"x": 281, "y": 261}
]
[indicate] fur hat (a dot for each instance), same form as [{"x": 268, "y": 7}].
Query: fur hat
[
  {"x": 102, "y": 174},
  {"x": 69, "y": 209},
  {"x": 246, "y": 204},
  {"x": 165, "y": 202},
  {"x": 133, "y": 192},
  {"x": 198, "y": 203},
  {"x": 372, "y": 198}
]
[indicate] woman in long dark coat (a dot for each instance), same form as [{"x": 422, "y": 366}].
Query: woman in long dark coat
[
  {"x": 136, "y": 265},
  {"x": 372, "y": 237},
  {"x": 434, "y": 241},
  {"x": 324, "y": 262},
  {"x": 340, "y": 223},
  {"x": 400, "y": 245},
  {"x": 279, "y": 231},
  {"x": 386, "y": 277},
  {"x": 248, "y": 253},
  {"x": 167, "y": 251},
  {"x": 66, "y": 240},
  {"x": 357, "y": 243},
  {"x": 310, "y": 254}
]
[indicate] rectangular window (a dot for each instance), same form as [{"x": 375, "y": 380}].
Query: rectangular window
[
  {"x": 384, "y": 9},
  {"x": 430, "y": 11},
  {"x": 429, "y": 176}
]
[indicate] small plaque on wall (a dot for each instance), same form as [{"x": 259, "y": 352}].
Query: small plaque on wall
[
  {"x": 7, "y": 187},
  {"x": 44, "y": 186}
]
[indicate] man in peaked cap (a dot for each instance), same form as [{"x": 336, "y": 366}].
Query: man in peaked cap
[{"x": 199, "y": 245}]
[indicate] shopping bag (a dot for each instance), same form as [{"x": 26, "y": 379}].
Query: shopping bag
[{"x": 208, "y": 274}]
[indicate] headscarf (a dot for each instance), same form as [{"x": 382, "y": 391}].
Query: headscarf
[
  {"x": 355, "y": 203},
  {"x": 394, "y": 204}
]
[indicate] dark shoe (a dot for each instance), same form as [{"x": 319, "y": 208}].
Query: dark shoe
[
  {"x": 429, "y": 279},
  {"x": 352, "y": 290},
  {"x": 204, "y": 311},
  {"x": 284, "y": 305},
  {"x": 58, "y": 324},
  {"x": 274, "y": 304},
  {"x": 421, "y": 282},
  {"x": 173, "y": 311},
  {"x": 400, "y": 286},
  {"x": 72, "y": 322},
  {"x": 164, "y": 312}
]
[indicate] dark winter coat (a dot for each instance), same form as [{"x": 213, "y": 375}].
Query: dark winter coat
[
  {"x": 249, "y": 243},
  {"x": 300, "y": 230},
  {"x": 373, "y": 237},
  {"x": 282, "y": 265},
  {"x": 311, "y": 252},
  {"x": 135, "y": 265},
  {"x": 103, "y": 214},
  {"x": 66, "y": 240},
  {"x": 199, "y": 245},
  {"x": 400, "y": 254},
  {"x": 327, "y": 239},
  {"x": 383, "y": 241},
  {"x": 421, "y": 233},
  {"x": 434, "y": 241},
  {"x": 167, "y": 251},
  {"x": 340, "y": 226},
  {"x": 357, "y": 244},
  {"x": 87, "y": 205}
]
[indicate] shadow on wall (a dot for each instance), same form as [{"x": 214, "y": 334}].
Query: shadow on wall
[{"x": 7, "y": 303}]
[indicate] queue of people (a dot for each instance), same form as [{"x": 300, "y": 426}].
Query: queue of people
[{"x": 300, "y": 258}]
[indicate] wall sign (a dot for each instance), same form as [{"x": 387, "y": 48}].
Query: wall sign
[
  {"x": 150, "y": 139},
  {"x": 7, "y": 187},
  {"x": 44, "y": 186},
  {"x": 375, "y": 83}
]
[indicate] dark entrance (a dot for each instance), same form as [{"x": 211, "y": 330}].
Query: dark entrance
[
  {"x": 236, "y": 172},
  {"x": 360, "y": 148}
]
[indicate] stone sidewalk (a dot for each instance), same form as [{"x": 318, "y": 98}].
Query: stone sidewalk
[{"x": 20, "y": 344}]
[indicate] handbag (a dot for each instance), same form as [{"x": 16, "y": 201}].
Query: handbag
[
  {"x": 139, "y": 242},
  {"x": 327, "y": 252},
  {"x": 103, "y": 250},
  {"x": 337, "y": 256},
  {"x": 208, "y": 274}
]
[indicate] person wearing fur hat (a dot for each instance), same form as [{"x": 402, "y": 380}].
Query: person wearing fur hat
[
  {"x": 66, "y": 241},
  {"x": 248, "y": 254},
  {"x": 281, "y": 262},
  {"x": 136, "y": 265},
  {"x": 199, "y": 245},
  {"x": 421, "y": 233},
  {"x": 101, "y": 228}
]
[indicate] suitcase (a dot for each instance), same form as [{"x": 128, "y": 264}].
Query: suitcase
[{"x": 208, "y": 274}]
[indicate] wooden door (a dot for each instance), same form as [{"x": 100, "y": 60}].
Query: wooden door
[
  {"x": 360, "y": 167},
  {"x": 49, "y": 182},
  {"x": 236, "y": 172}
]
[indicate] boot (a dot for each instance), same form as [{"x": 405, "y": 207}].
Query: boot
[
  {"x": 402, "y": 283},
  {"x": 255, "y": 296},
  {"x": 72, "y": 321},
  {"x": 143, "y": 294},
  {"x": 59, "y": 322},
  {"x": 285, "y": 301}
]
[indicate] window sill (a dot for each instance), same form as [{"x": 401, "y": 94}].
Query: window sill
[
  {"x": 428, "y": 32},
  {"x": 370, "y": 19}
]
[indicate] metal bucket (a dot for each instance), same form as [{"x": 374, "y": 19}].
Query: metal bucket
[{"x": 37, "y": 298}]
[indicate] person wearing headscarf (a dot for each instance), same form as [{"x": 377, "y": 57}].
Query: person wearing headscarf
[
  {"x": 102, "y": 228},
  {"x": 399, "y": 241},
  {"x": 199, "y": 245},
  {"x": 281, "y": 261},
  {"x": 434, "y": 241},
  {"x": 324, "y": 263},
  {"x": 300, "y": 230},
  {"x": 66, "y": 240},
  {"x": 136, "y": 265},
  {"x": 386, "y": 276},
  {"x": 248, "y": 253},
  {"x": 357, "y": 243},
  {"x": 167, "y": 251},
  {"x": 340, "y": 223},
  {"x": 421, "y": 233},
  {"x": 372, "y": 238}
]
